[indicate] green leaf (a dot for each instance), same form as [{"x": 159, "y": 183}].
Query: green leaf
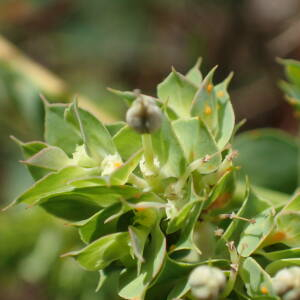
[
  {"x": 138, "y": 237},
  {"x": 51, "y": 158},
  {"x": 97, "y": 226},
  {"x": 171, "y": 275},
  {"x": 96, "y": 137},
  {"x": 52, "y": 184},
  {"x": 269, "y": 158},
  {"x": 277, "y": 265},
  {"x": 107, "y": 195},
  {"x": 28, "y": 150},
  {"x": 226, "y": 118},
  {"x": 31, "y": 148},
  {"x": 88, "y": 181},
  {"x": 255, "y": 278},
  {"x": 251, "y": 207},
  {"x": 121, "y": 174},
  {"x": 292, "y": 70},
  {"x": 292, "y": 93},
  {"x": 178, "y": 92},
  {"x": 168, "y": 150},
  {"x": 293, "y": 204},
  {"x": 197, "y": 142},
  {"x": 281, "y": 254},
  {"x": 194, "y": 74},
  {"x": 221, "y": 192},
  {"x": 186, "y": 240},
  {"x": 70, "y": 206},
  {"x": 255, "y": 234},
  {"x": 288, "y": 225},
  {"x": 205, "y": 104},
  {"x": 128, "y": 96},
  {"x": 179, "y": 290},
  {"x": 181, "y": 219},
  {"x": 103, "y": 252},
  {"x": 127, "y": 136},
  {"x": 114, "y": 128},
  {"x": 58, "y": 132},
  {"x": 134, "y": 285}
]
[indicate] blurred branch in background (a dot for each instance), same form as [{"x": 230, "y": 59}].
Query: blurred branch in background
[{"x": 46, "y": 81}]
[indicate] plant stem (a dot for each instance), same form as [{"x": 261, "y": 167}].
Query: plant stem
[
  {"x": 148, "y": 152},
  {"x": 137, "y": 181}
]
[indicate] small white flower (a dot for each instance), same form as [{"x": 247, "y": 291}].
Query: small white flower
[
  {"x": 110, "y": 163},
  {"x": 81, "y": 158}
]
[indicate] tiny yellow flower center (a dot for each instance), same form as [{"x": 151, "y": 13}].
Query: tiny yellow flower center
[
  {"x": 207, "y": 110},
  {"x": 220, "y": 94},
  {"x": 209, "y": 87},
  {"x": 117, "y": 164},
  {"x": 264, "y": 290}
]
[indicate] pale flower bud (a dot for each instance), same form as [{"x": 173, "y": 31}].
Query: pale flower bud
[
  {"x": 144, "y": 115},
  {"x": 286, "y": 283},
  {"x": 110, "y": 163},
  {"x": 207, "y": 283},
  {"x": 81, "y": 158}
]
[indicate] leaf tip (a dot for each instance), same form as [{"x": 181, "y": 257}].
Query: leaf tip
[
  {"x": 16, "y": 140},
  {"x": 44, "y": 99}
]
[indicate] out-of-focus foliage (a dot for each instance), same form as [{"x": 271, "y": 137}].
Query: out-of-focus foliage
[{"x": 271, "y": 157}]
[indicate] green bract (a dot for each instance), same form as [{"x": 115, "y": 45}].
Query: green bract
[{"x": 152, "y": 207}]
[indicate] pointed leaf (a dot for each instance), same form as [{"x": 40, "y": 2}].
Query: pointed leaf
[
  {"x": 205, "y": 104},
  {"x": 103, "y": 252},
  {"x": 96, "y": 137},
  {"x": 127, "y": 136},
  {"x": 31, "y": 148},
  {"x": 168, "y": 150},
  {"x": 255, "y": 234},
  {"x": 120, "y": 175},
  {"x": 178, "y": 92},
  {"x": 255, "y": 278},
  {"x": 58, "y": 132},
  {"x": 180, "y": 220},
  {"x": 194, "y": 74},
  {"x": 226, "y": 118},
  {"x": 51, "y": 158},
  {"x": 197, "y": 142},
  {"x": 251, "y": 207},
  {"x": 52, "y": 184},
  {"x": 134, "y": 285},
  {"x": 96, "y": 226},
  {"x": 138, "y": 237},
  {"x": 186, "y": 240}
]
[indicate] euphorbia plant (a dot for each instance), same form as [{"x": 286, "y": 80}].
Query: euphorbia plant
[{"x": 153, "y": 198}]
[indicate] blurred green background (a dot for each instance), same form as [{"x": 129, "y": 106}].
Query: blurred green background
[{"x": 125, "y": 44}]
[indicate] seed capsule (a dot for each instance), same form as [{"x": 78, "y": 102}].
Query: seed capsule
[
  {"x": 144, "y": 115},
  {"x": 207, "y": 283}
]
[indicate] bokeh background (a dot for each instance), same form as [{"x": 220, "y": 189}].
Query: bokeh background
[{"x": 65, "y": 47}]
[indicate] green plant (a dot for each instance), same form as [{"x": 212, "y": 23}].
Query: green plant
[{"x": 154, "y": 200}]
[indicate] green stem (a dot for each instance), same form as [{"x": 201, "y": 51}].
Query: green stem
[
  {"x": 137, "y": 181},
  {"x": 148, "y": 152}
]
